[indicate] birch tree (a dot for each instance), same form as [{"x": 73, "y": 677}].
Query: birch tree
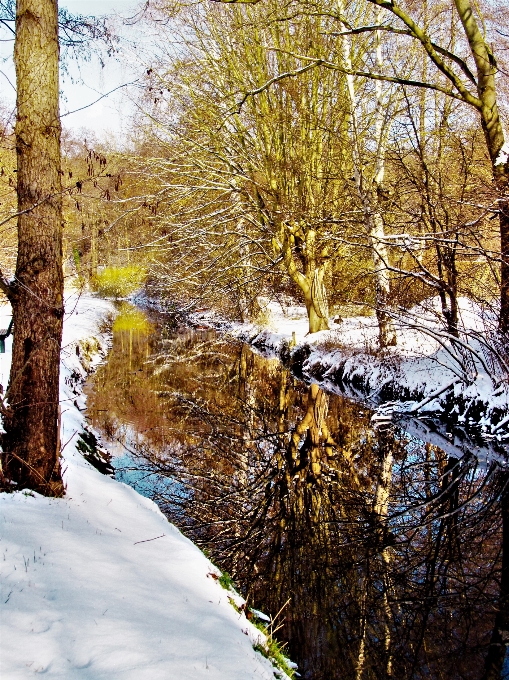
[{"x": 369, "y": 178}]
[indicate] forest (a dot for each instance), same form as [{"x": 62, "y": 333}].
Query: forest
[
  {"x": 316, "y": 152},
  {"x": 331, "y": 154}
]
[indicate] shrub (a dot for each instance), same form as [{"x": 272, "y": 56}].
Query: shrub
[{"x": 119, "y": 282}]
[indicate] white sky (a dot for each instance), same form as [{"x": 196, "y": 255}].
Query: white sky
[{"x": 106, "y": 117}]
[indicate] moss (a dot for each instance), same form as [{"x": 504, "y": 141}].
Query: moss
[{"x": 87, "y": 445}]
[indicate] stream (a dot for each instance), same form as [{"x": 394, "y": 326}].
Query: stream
[{"x": 376, "y": 548}]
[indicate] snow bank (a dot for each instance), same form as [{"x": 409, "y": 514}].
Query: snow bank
[
  {"x": 424, "y": 374},
  {"x": 99, "y": 584}
]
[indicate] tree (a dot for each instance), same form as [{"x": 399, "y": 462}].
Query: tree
[
  {"x": 277, "y": 162},
  {"x": 30, "y": 445},
  {"x": 30, "y": 412},
  {"x": 369, "y": 180},
  {"x": 483, "y": 99},
  {"x": 468, "y": 74}
]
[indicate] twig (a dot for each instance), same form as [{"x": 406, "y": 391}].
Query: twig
[{"x": 149, "y": 539}]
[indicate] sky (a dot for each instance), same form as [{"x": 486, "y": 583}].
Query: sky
[
  {"x": 107, "y": 116},
  {"x": 87, "y": 81}
]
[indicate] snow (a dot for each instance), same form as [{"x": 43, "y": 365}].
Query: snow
[
  {"x": 260, "y": 615},
  {"x": 503, "y": 155},
  {"x": 99, "y": 584}
]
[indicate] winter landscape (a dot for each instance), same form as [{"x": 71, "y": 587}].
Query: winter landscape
[{"x": 254, "y": 339}]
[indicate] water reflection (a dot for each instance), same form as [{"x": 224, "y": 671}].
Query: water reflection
[{"x": 387, "y": 548}]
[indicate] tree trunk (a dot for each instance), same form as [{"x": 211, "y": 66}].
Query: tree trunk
[
  {"x": 386, "y": 331},
  {"x": 30, "y": 457},
  {"x": 316, "y": 323},
  {"x": 311, "y": 282},
  {"x": 316, "y": 303},
  {"x": 494, "y": 135}
]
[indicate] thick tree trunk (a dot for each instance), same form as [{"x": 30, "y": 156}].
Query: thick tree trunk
[
  {"x": 316, "y": 323},
  {"x": 315, "y": 299},
  {"x": 310, "y": 283},
  {"x": 30, "y": 456}
]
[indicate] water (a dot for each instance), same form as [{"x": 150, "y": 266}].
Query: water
[{"x": 378, "y": 551}]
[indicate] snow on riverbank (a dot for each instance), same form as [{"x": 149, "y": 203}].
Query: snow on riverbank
[
  {"x": 425, "y": 373},
  {"x": 99, "y": 585}
]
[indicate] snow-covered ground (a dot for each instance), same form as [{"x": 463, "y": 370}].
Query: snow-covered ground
[
  {"x": 99, "y": 585},
  {"x": 426, "y": 373}
]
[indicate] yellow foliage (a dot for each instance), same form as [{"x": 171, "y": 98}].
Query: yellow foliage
[
  {"x": 119, "y": 282},
  {"x": 131, "y": 319}
]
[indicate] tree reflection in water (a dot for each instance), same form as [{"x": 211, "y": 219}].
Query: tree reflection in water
[{"x": 388, "y": 548}]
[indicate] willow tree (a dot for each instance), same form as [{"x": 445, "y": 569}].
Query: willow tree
[
  {"x": 278, "y": 158},
  {"x": 30, "y": 444}
]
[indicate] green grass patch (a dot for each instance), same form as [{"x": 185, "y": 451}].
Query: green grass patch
[
  {"x": 273, "y": 651},
  {"x": 226, "y": 581}
]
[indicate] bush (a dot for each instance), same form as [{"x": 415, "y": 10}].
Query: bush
[{"x": 119, "y": 282}]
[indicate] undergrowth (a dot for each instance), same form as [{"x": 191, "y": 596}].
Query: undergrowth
[
  {"x": 271, "y": 649},
  {"x": 225, "y": 580},
  {"x": 119, "y": 282}
]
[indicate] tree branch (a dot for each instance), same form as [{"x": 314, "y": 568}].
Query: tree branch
[
  {"x": 363, "y": 74},
  {"x": 432, "y": 52},
  {"x": 281, "y": 76},
  {"x": 401, "y": 31}
]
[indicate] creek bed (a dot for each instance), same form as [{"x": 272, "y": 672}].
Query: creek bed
[{"x": 376, "y": 549}]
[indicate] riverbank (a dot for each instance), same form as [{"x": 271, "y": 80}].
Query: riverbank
[
  {"x": 426, "y": 374},
  {"x": 99, "y": 584}
]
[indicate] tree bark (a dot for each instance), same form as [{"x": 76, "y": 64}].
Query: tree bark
[
  {"x": 310, "y": 283},
  {"x": 504, "y": 267},
  {"x": 30, "y": 457},
  {"x": 369, "y": 189}
]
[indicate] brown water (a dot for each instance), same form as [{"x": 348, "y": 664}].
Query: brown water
[{"x": 378, "y": 551}]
